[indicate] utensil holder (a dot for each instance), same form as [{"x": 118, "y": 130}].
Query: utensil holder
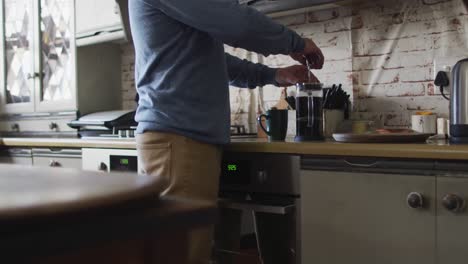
[{"x": 331, "y": 121}]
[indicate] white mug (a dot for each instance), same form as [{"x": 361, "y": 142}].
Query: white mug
[{"x": 424, "y": 123}]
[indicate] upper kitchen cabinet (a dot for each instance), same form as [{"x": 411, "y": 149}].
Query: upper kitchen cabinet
[
  {"x": 38, "y": 67},
  {"x": 42, "y": 70},
  {"x": 98, "y": 22},
  {"x": 19, "y": 55}
]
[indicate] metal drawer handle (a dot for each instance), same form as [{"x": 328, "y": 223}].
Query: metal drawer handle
[
  {"x": 258, "y": 208},
  {"x": 454, "y": 203},
  {"x": 102, "y": 167},
  {"x": 370, "y": 165},
  {"x": 54, "y": 163},
  {"x": 415, "y": 200}
]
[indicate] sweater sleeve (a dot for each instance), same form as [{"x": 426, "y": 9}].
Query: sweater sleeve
[
  {"x": 245, "y": 74},
  {"x": 233, "y": 24}
]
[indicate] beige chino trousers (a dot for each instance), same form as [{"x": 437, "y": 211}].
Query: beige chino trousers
[{"x": 191, "y": 169}]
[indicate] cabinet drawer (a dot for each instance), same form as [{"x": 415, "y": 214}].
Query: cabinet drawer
[
  {"x": 58, "y": 162},
  {"x": 16, "y": 160},
  {"x": 17, "y": 156}
]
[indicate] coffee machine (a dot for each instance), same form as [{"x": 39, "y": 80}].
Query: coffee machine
[{"x": 459, "y": 104}]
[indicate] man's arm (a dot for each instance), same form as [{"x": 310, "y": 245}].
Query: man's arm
[
  {"x": 233, "y": 24},
  {"x": 245, "y": 74}
]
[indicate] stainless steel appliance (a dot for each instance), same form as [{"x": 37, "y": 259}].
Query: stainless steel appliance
[
  {"x": 108, "y": 160},
  {"x": 106, "y": 125},
  {"x": 459, "y": 104},
  {"x": 259, "y": 194}
]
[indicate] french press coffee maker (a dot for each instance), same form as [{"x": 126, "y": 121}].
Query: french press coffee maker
[{"x": 309, "y": 112}]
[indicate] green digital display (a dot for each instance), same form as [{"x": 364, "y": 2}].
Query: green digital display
[
  {"x": 124, "y": 162},
  {"x": 232, "y": 167}
]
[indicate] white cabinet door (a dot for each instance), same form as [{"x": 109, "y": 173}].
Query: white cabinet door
[
  {"x": 57, "y": 89},
  {"x": 452, "y": 216},
  {"x": 16, "y": 160},
  {"x": 357, "y": 218},
  {"x": 17, "y": 156},
  {"x": 18, "y": 55},
  {"x": 94, "y": 16},
  {"x": 38, "y": 68},
  {"x": 57, "y": 158},
  {"x": 57, "y": 162}
]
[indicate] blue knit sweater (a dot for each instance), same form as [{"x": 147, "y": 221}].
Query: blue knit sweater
[{"x": 182, "y": 71}]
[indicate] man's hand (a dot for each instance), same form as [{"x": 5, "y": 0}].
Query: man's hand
[
  {"x": 294, "y": 74},
  {"x": 312, "y": 53}
]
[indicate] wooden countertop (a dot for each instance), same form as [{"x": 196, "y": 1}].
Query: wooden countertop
[
  {"x": 51, "y": 212},
  {"x": 67, "y": 143},
  {"x": 436, "y": 150}
]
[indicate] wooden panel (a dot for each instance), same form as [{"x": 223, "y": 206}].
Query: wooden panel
[
  {"x": 167, "y": 248},
  {"x": 35, "y": 191},
  {"x": 357, "y": 218},
  {"x": 452, "y": 228}
]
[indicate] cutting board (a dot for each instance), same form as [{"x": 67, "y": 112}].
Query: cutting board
[{"x": 382, "y": 138}]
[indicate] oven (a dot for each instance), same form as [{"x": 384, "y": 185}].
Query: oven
[
  {"x": 110, "y": 160},
  {"x": 259, "y": 205}
]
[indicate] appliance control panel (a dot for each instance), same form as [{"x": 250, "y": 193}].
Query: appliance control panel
[
  {"x": 107, "y": 160},
  {"x": 260, "y": 173}
]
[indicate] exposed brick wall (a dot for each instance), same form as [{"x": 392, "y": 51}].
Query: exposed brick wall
[
  {"x": 128, "y": 77},
  {"x": 383, "y": 52}
]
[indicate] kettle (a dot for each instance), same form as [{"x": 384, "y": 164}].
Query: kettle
[{"x": 459, "y": 104}]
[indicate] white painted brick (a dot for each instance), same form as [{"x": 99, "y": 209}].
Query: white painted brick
[
  {"x": 337, "y": 66},
  {"x": 380, "y": 77},
  {"x": 413, "y": 44},
  {"x": 368, "y": 48},
  {"x": 271, "y": 93},
  {"x": 336, "y": 39},
  {"x": 323, "y": 15},
  {"x": 337, "y": 54},
  {"x": 416, "y": 74},
  {"x": 309, "y": 30},
  {"x": 298, "y": 19},
  {"x": 393, "y": 90},
  {"x": 414, "y": 59},
  {"x": 344, "y": 24},
  {"x": 450, "y": 42},
  {"x": 376, "y": 62},
  {"x": 279, "y": 61},
  {"x": 406, "y": 90},
  {"x": 380, "y": 104}
]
